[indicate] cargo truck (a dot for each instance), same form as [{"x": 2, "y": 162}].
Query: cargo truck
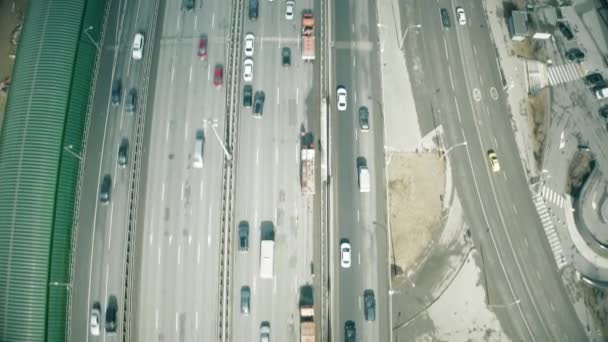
[
  {"x": 307, "y": 314},
  {"x": 266, "y": 259},
  {"x": 307, "y": 163},
  {"x": 364, "y": 181},
  {"x": 308, "y": 37}
]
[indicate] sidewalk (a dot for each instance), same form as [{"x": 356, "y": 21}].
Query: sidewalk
[{"x": 515, "y": 84}]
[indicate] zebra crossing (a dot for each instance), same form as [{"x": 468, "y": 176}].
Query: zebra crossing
[
  {"x": 564, "y": 73},
  {"x": 549, "y": 228},
  {"x": 552, "y": 196}
]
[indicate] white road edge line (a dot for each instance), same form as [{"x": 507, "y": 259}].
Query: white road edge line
[{"x": 445, "y": 44}]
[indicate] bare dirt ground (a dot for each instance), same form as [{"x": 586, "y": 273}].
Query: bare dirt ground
[
  {"x": 416, "y": 183},
  {"x": 578, "y": 171},
  {"x": 537, "y": 107},
  {"x": 11, "y": 15}
]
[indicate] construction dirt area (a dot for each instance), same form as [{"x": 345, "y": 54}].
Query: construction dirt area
[
  {"x": 416, "y": 183},
  {"x": 11, "y": 17}
]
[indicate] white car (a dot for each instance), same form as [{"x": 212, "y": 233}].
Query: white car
[
  {"x": 249, "y": 40},
  {"x": 248, "y": 70},
  {"x": 138, "y": 46},
  {"x": 95, "y": 321},
  {"x": 345, "y": 254},
  {"x": 462, "y": 18},
  {"x": 341, "y": 98},
  {"x": 289, "y": 9}
]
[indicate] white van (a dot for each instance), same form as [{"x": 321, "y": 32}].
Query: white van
[
  {"x": 364, "y": 180},
  {"x": 197, "y": 159},
  {"x": 601, "y": 93}
]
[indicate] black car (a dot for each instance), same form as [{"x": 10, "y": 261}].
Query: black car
[
  {"x": 130, "y": 101},
  {"x": 105, "y": 189},
  {"x": 116, "y": 88},
  {"x": 350, "y": 333},
  {"x": 565, "y": 30},
  {"x": 364, "y": 118},
  {"x": 258, "y": 104},
  {"x": 369, "y": 305},
  {"x": 123, "y": 148},
  {"x": 247, "y": 95},
  {"x": 245, "y": 299},
  {"x": 575, "y": 55},
  {"x": 286, "y": 56},
  {"x": 594, "y": 79},
  {"x": 253, "y": 9},
  {"x": 604, "y": 112},
  {"x": 243, "y": 236},
  {"x": 445, "y": 17},
  {"x": 188, "y": 5},
  {"x": 111, "y": 315}
]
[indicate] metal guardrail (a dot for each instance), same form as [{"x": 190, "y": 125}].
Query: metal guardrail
[
  {"x": 232, "y": 96},
  {"x": 131, "y": 231},
  {"x": 82, "y": 153}
]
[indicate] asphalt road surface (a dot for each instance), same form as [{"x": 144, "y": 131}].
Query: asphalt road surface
[
  {"x": 101, "y": 240},
  {"x": 359, "y": 217},
  {"x": 464, "y": 93},
  {"x": 268, "y": 179}
]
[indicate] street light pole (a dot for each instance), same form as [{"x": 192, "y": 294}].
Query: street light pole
[
  {"x": 86, "y": 31},
  {"x": 213, "y": 124},
  {"x": 464, "y": 143},
  {"x": 69, "y": 150},
  {"x": 405, "y": 34}
]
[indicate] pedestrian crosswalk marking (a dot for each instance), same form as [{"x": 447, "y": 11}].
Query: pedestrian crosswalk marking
[
  {"x": 559, "y": 74},
  {"x": 552, "y": 196},
  {"x": 549, "y": 227}
]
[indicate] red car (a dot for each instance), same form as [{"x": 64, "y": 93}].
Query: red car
[
  {"x": 218, "y": 76},
  {"x": 202, "y": 48}
]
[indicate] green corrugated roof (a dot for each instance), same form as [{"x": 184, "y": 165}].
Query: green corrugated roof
[{"x": 45, "y": 112}]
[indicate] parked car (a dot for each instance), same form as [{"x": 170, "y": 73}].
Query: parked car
[
  {"x": 364, "y": 119},
  {"x": 111, "y": 311},
  {"x": 601, "y": 92},
  {"x": 565, "y": 30},
  {"x": 245, "y": 299},
  {"x": 461, "y": 16},
  {"x": 248, "y": 70},
  {"x": 594, "y": 79},
  {"x": 131, "y": 101},
  {"x": 604, "y": 112},
  {"x": 342, "y": 95},
  {"x": 258, "y": 104},
  {"x": 243, "y": 236},
  {"x": 575, "y": 55},
  {"x": 445, "y": 17},
  {"x": 95, "y": 319},
  {"x": 218, "y": 76},
  {"x": 369, "y": 305},
  {"x": 286, "y": 56},
  {"x": 122, "y": 152},
  {"x": 249, "y": 44},
  {"x": 345, "y": 253},
  {"x": 138, "y": 46},
  {"x": 247, "y": 95},
  {"x": 116, "y": 90},
  {"x": 202, "y": 48},
  {"x": 105, "y": 189}
]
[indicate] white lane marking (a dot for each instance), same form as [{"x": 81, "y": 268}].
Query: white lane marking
[
  {"x": 195, "y": 21},
  {"x": 201, "y": 192},
  {"x": 178, "y": 20},
  {"x": 189, "y": 239},
  {"x": 190, "y": 80},
  {"x": 276, "y": 156},
  {"x": 360, "y": 301},
  {"x": 167, "y": 134},
  {"x": 445, "y": 44},
  {"x": 451, "y": 79},
  {"x": 505, "y": 175},
  {"x": 151, "y": 237},
  {"x": 297, "y": 154},
  {"x": 196, "y": 320},
  {"x": 474, "y": 50},
  {"x": 552, "y": 307},
  {"x": 275, "y": 285},
  {"x": 198, "y": 253},
  {"x": 110, "y": 232},
  {"x": 209, "y": 239},
  {"x": 257, "y": 156},
  {"x": 353, "y": 27},
  {"x": 186, "y": 131},
  {"x": 297, "y": 95},
  {"x": 278, "y": 95},
  {"x": 358, "y": 215},
  {"x": 213, "y": 20},
  {"x": 458, "y": 111},
  {"x": 514, "y": 209},
  {"x": 526, "y": 242},
  {"x": 354, "y": 62},
  {"x": 538, "y": 275},
  {"x": 359, "y": 254},
  {"x": 156, "y": 319},
  {"x": 159, "y": 254},
  {"x": 356, "y": 135},
  {"x": 172, "y": 74},
  {"x": 208, "y": 71},
  {"x": 179, "y": 254},
  {"x": 176, "y": 321},
  {"x": 183, "y": 191},
  {"x": 355, "y": 97},
  {"x": 170, "y": 239},
  {"x": 162, "y": 193}
]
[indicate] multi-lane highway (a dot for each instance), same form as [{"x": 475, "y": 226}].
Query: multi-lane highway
[
  {"x": 358, "y": 217},
  {"x": 464, "y": 92}
]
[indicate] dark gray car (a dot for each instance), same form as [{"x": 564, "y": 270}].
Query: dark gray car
[
  {"x": 123, "y": 149},
  {"x": 111, "y": 315},
  {"x": 350, "y": 332},
  {"x": 364, "y": 118},
  {"x": 247, "y": 95},
  {"x": 258, "y": 104},
  {"x": 245, "y": 299},
  {"x": 286, "y": 56},
  {"x": 369, "y": 305},
  {"x": 243, "y": 236},
  {"x": 105, "y": 189},
  {"x": 445, "y": 17},
  {"x": 130, "y": 101},
  {"x": 116, "y": 90}
]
